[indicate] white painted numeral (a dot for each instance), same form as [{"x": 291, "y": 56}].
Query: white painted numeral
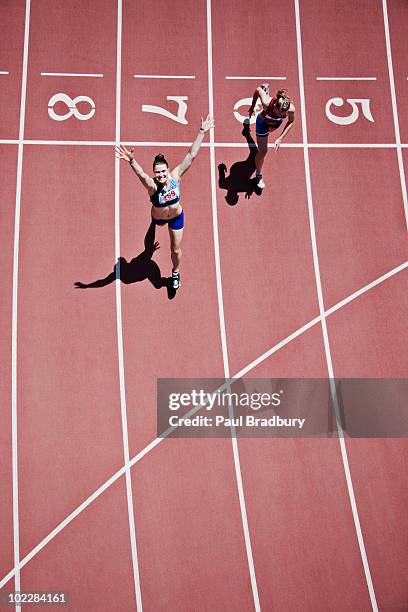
[
  {"x": 354, "y": 115},
  {"x": 181, "y": 112},
  {"x": 72, "y": 106},
  {"x": 246, "y": 102}
]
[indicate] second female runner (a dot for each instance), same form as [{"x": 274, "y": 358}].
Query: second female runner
[{"x": 274, "y": 110}]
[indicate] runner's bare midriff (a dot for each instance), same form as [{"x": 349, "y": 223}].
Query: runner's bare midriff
[{"x": 166, "y": 212}]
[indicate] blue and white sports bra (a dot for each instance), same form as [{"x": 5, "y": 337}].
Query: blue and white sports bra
[{"x": 166, "y": 197}]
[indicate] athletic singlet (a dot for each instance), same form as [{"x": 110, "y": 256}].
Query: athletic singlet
[
  {"x": 166, "y": 197},
  {"x": 270, "y": 117}
]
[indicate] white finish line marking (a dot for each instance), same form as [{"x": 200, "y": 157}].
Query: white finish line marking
[
  {"x": 256, "y": 78},
  {"x": 237, "y": 145},
  {"x": 71, "y": 74},
  {"x": 346, "y": 78},
  {"x": 163, "y": 76}
]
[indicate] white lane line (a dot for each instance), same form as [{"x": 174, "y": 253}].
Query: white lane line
[
  {"x": 14, "y": 348},
  {"x": 125, "y": 435},
  {"x": 164, "y": 76},
  {"x": 324, "y": 324},
  {"x": 395, "y": 111},
  {"x": 72, "y": 74},
  {"x": 346, "y": 78},
  {"x": 157, "y": 441},
  {"x": 214, "y": 195},
  {"x": 234, "y": 442},
  {"x": 256, "y": 78},
  {"x": 4, "y": 72}
]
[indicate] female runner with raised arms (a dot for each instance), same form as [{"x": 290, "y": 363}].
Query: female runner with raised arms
[
  {"x": 274, "y": 110},
  {"x": 164, "y": 192}
]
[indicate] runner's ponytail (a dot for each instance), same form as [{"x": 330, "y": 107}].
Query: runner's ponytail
[
  {"x": 160, "y": 159},
  {"x": 282, "y": 100}
]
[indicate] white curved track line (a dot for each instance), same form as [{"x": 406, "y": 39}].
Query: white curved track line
[
  {"x": 366, "y": 288},
  {"x": 316, "y": 320},
  {"x": 157, "y": 441},
  {"x": 234, "y": 442},
  {"x": 342, "y": 443},
  {"x": 128, "y": 476}
]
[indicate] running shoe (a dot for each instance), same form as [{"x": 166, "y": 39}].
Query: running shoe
[
  {"x": 176, "y": 280},
  {"x": 265, "y": 87},
  {"x": 260, "y": 182}
]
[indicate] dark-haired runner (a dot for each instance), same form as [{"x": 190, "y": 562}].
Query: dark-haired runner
[
  {"x": 274, "y": 110},
  {"x": 164, "y": 192}
]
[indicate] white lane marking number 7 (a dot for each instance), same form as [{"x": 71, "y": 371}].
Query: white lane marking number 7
[{"x": 181, "y": 112}]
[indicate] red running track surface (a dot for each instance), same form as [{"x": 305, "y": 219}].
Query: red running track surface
[{"x": 79, "y": 368}]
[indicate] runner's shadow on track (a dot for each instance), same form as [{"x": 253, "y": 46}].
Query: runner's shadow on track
[
  {"x": 137, "y": 269},
  {"x": 239, "y": 179}
]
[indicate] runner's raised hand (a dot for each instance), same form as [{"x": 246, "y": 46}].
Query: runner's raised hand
[
  {"x": 207, "y": 124},
  {"x": 123, "y": 153}
]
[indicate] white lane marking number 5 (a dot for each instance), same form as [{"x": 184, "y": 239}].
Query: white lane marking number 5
[
  {"x": 72, "y": 106},
  {"x": 354, "y": 115}
]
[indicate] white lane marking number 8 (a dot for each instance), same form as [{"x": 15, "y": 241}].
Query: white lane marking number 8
[
  {"x": 354, "y": 115},
  {"x": 72, "y": 106}
]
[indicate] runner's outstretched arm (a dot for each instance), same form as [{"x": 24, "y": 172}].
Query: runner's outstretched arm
[
  {"x": 179, "y": 170},
  {"x": 146, "y": 180}
]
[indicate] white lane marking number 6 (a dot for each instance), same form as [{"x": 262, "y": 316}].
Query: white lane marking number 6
[
  {"x": 181, "y": 112},
  {"x": 246, "y": 102},
  {"x": 354, "y": 115},
  {"x": 72, "y": 106}
]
